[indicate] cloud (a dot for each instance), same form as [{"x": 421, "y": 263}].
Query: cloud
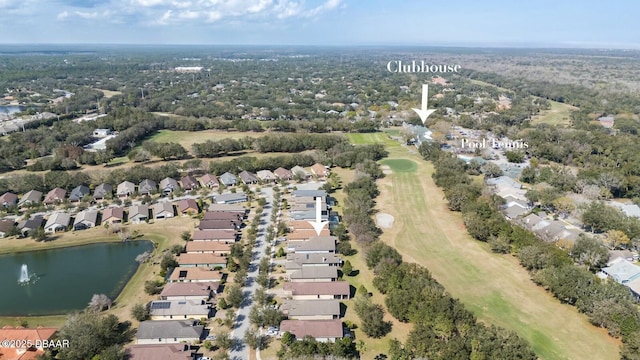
[
  {"x": 327, "y": 6},
  {"x": 87, "y": 15},
  {"x": 63, "y": 15},
  {"x": 168, "y": 12},
  {"x": 148, "y": 3},
  {"x": 166, "y": 17}
]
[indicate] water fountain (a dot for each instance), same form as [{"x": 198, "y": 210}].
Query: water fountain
[{"x": 25, "y": 278}]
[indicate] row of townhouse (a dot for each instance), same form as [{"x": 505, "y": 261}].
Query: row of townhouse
[
  {"x": 313, "y": 291},
  {"x": 85, "y": 219},
  {"x": 186, "y": 298},
  {"x": 166, "y": 186}
]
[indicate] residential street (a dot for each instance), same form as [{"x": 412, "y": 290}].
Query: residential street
[{"x": 240, "y": 351}]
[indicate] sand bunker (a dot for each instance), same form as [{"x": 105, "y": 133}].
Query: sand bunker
[
  {"x": 384, "y": 220},
  {"x": 386, "y": 169}
]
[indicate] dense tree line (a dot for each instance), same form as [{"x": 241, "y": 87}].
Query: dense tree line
[
  {"x": 443, "y": 328},
  {"x": 606, "y": 303},
  {"x": 268, "y": 143},
  {"x": 359, "y": 206},
  {"x": 573, "y": 94},
  {"x": 607, "y": 161},
  {"x": 308, "y": 347},
  {"x": 223, "y": 147}
]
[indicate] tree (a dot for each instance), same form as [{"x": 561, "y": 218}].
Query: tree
[
  {"x": 254, "y": 340},
  {"x": 564, "y": 206},
  {"x": 262, "y": 279},
  {"x": 372, "y": 318},
  {"x": 287, "y": 338},
  {"x": 153, "y": 287},
  {"x": 168, "y": 262},
  {"x": 347, "y": 269},
  {"x": 99, "y": 302},
  {"x": 224, "y": 340},
  {"x": 599, "y": 217},
  {"x": 344, "y": 248},
  {"x": 177, "y": 249},
  {"x": 222, "y": 304},
  {"x": 514, "y": 156},
  {"x": 261, "y": 297},
  {"x": 234, "y": 295},
  {"x": 616, "y": 239},
  {"x": 229, "y": 318},
  {"x": 492, "y": 170},
  {"x": 39, "y": 234},
  {"x": 186, "y": 235},
  {"x": 92, "y": 335},
  {"x": 140, "y": 312}
]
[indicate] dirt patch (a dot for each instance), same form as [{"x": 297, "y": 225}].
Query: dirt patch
[{"x": 385, "y": 220}]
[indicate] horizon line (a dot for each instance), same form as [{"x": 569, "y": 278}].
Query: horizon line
[{"x": 532, "y": 46}]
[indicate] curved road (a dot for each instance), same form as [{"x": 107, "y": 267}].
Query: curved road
[{"x": 240, "y": 351}]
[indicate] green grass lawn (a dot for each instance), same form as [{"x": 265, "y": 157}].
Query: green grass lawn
[
  {"x": 400, "y": 165},
  {"x": 393, "y": 132},
  {"x": 558, "y": 115},
  {"x": 495, "y": 287},
  {"x": 371, "y": 138}
]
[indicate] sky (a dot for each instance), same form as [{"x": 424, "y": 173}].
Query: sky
[{"x": 505, "y": 23}]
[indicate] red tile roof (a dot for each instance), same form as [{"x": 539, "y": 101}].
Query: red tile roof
[
  {"x": 208, "y": 246},
  {"x": 24, "y": 334},
  {"x": 213, "y": 234},
  {"x": 155, "y": 352}
]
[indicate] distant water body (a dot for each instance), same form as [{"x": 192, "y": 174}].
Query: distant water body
[{"x": 11, "y": 109}]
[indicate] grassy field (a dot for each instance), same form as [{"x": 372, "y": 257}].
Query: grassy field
[
  {"x": 495, "y": 287},
  {"x": 558, "y": 115},
  {"x": 483, "y": 83},
  {"x": 370, "y": 138},
  {"x": 164, "y": 233},
  {"x": 188, "y": 138},
  {"x": 109, "y": 93}
]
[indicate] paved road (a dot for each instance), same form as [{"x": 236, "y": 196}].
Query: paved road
[{"x": 241, "y": 351}]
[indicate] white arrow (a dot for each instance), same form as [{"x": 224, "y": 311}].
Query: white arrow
[
  {"x": 423, "y": 112},
  {"x": 318, "y": 225}
]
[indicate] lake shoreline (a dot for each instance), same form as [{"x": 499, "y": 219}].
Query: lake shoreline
[{"x": 64, "y": 280}]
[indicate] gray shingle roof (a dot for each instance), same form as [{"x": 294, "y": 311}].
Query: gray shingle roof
[
  {"x": 147, "y": 186},
  {"x": 79, "y": 192},
  {"x": 228, "y": 179},
  {"x": 311, "y": 307},
  {"x": 316, "y": 272},
  {"x": 102, "y": 191},
  {"x": 169, "y": 329}
]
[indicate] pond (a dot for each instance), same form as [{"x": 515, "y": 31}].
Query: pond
[
  {"x": 64, "y": 280},
  {"x": 11, "y": 109}
]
